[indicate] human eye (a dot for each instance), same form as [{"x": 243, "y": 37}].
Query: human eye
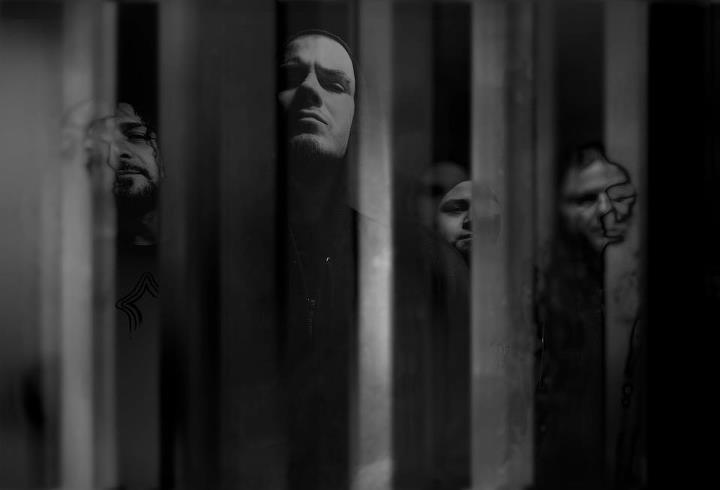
[
  {"x": 335, "y": 83},
  {"x": 587, "y": 199},
  {"x": 291, "y": 75},
  {"x": 453, "y": 207},
  {"x": 622, "y": 193},
  {"x": 623, "y": 199},
  {"x": 137, "y": 135}
]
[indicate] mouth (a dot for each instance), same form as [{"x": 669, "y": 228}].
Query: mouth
[
  {"x": 612, "y": 232},
  {"x": 463, "y": 241},
  {"x": 311, "y": 116},
  {"x": 130, "y": 171}
]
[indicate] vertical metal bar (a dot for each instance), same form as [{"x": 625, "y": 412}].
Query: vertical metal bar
[
  {"x": 545, "y": 157},
  {"x": 626, "y": 47},
  {"x": 372, "y": 435},
  {"x": 87, "y": 438},
  {"x": 489, "y": 281},
  {"x": 76, "y": 445},
  {"x": 190, "y": 310},
  {"x": 413, "y": 80},
  {"x": 546, "y": 152},
  {"x": 104, "y": 231},
  {"x": 520, "y": 223},
  {"x": 250, "y": 372}
]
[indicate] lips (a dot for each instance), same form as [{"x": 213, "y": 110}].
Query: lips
[
  {"x": 463, "y": 241},
  {"x": 614, "y": 234},
  {"x": 131, "y": 171},
  {"x": 306, "y": 115}
]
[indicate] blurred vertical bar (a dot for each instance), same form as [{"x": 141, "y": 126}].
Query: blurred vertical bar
[
  {"x": 489, "y": 316},
  {"x": 503, "y": 157},
  {"x": 30, "y": 97},
  {"x": 189, "y": 77},
  {"x": 545, "y": 165},
  {"x": 87, "y": 440},
  {"x": 104, "y": 254},
  {"x": 176, "y": 54},
  {"x": 519, "y": 220},
  {"x": 412, "y": 40},
  {"x": 412, "y": 113},
  {"x": 626, "y": 52},
  {"x": 253, "y": 453},
  {"x": 546, "y": 152},
  {"x": 372, "y": 458}
]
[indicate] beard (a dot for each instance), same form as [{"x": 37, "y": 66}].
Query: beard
[
  {"x": 132, "y": 203},
  {"x": 307, "y": 149},
  {"x": 308, "y": 162}
]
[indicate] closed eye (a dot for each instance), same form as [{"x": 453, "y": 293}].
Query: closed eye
[
  {"x": 137, "y": 136},
  {"x": 292, "y": 75},
  {"x": 454, "y": 206},
  {"x": 584, "y": 199},
  {"x": 334, "y": 80},
  {"x": 136, "y": 132},
  {"x": 338, "y": 85}
]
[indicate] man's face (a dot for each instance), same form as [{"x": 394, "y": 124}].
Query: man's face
[
  {"x": 455, "y": 216},
  {"x": 454, "y": 220},
  {"x": 434, "y": 184},
  {"x": 127, "y": 146},
  {"x": 597, "y": 203},
  {"x": 317, "y": 95}
]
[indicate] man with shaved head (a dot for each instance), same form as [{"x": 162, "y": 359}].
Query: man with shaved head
[
  {"x": 459, "y": 223},
  {"x": 317, "y": 87},
  {"x": 317, "y": 102}
]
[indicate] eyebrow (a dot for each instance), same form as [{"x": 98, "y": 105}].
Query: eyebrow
[
  {"x": 455, "y": 202},
  {"x": 127, "y": 126},
  {"x": 344, "y": 77},
  {"x": 335, "y": 73},
  {"x": 584, "y": 196}
]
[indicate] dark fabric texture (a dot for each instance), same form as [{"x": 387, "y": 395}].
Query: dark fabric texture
[{"x": 431, "y": 343}]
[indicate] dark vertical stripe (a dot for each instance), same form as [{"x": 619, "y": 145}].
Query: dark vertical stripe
[{"x": 451, "y": 82}]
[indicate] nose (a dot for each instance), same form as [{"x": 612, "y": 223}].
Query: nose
[
  {"x": 467, "y": 222},
  {"x": 604, "y": 204},
  {"x": 308, "y": 92},
  {"x": 118, "y": 152}
]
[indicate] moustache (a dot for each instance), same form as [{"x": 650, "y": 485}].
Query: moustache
[{"x": 132, "y": 169}]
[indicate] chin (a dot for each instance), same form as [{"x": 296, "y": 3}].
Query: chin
[
  {"x": 313, "y": 145},
  {"x": 600, "y": 244},
  {"x": 134, "y": 190}
]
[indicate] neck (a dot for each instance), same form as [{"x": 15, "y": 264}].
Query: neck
[
  {"x": 138, "y": 230},
  {"x": 315, "y": 190}
]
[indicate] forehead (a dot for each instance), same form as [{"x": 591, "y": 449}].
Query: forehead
[
  {"x": 443, "y": 176},
  {"x": 119, "y": 120},
  {"x": 462, "y": 191},
  {"x": 595, "y": 177},
  {"x": 321, "y": 50},
  {"x": 125, "y": 114}
]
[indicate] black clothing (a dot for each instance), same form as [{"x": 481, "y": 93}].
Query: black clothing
[{"x": 431, "y": 356}]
